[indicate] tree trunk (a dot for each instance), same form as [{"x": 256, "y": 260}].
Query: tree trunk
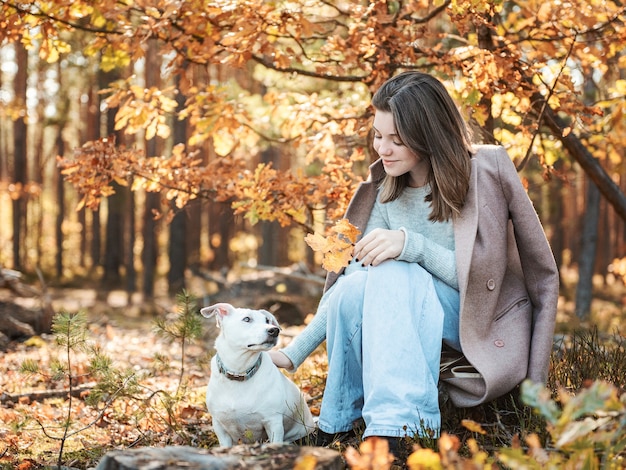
[
  {"x": 221, "y": 230},
  {"x": 177, "y": 248},
  {"x": 114, "y": 240},
  {"x": 555, "y": 202},
  {"x": 194, "y": 230},
  {"x": 60, "y": 209},
  {"x": 589, "y": 229},
  {"x": 274, "y": 247},
  {"x": 131, "y": 275},
  {"x": 36, "y": 231},
  {"x": 177, "y": 253},
  {"x": 62, "y": 117},
  {"x": 150, "y": 252},
  {"x": 589, "y": 238},
  {"x": 91, "y": 234},
  {"x": 485, "y": 41},
  {"x": 82, "y": 220},
  {"x": 116, "y": 208},
  {"x": 20, "y": 138},
  {"x": 96, "y": 239}
]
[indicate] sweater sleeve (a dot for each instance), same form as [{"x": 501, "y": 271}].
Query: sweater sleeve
[
  {"x": 436, "y": 259},
  {"x": 311, "y": 337}
]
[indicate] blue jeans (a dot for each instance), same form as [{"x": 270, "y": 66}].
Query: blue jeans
[{"x": 384, "y": 333}]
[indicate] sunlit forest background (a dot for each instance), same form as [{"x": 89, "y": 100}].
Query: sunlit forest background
[
  {"x": 153, "y": 147},
  {"x": 139, "y": 96}
]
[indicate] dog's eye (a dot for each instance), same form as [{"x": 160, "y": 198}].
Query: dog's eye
[{"x": 246, "y": 319}]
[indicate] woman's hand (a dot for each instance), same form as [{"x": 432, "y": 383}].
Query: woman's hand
[
  {"x": 280, "y": 360},
  {"x": 379, "y": 245}
]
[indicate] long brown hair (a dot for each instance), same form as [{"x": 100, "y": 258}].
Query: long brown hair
[{"x": 431, "y": 125}]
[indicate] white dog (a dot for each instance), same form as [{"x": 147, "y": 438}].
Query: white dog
[{"x": 248, "y": 397}]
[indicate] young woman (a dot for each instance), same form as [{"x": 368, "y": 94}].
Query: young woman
[{"x": 452, "y": 254}]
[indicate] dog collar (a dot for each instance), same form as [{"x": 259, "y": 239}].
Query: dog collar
[{"x": 236, "y": 376}]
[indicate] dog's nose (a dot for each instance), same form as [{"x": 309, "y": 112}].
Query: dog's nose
[{"x": 273, "y": 332}]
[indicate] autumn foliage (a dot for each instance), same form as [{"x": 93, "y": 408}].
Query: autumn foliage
[
  {"x": 516, "y": 68},
  {"x": 337, "y": 246},
  {"x": 265, "y": 106},
  {"x": 106, "y": 388}
]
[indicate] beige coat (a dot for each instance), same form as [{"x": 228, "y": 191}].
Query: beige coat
[{"x": 508, "y": 279}]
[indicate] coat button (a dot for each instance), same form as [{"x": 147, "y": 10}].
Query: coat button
[
  {"x": 499, "y": 343},
  {"x": 491, "y": 284}
]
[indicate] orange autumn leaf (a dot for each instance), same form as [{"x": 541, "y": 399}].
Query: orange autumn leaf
[
  {"x": 345, "y": 228},
  {"x": 473, "y": 426},
  {"x": 318, "y": 242},
  {"x": 337, "y": 246},
  {"x": 25, "y": 465},
  {"x": 335, "y": 260}
]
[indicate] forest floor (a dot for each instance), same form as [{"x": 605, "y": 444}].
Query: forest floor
[{"x": 34, "y": 407}]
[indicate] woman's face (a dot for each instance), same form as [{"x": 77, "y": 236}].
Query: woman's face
[{"x": 397, "y": 158}]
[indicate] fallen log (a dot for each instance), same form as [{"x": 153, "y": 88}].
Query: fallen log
[
  {"x": 257, "y": 457},
  {"x": 16, "y": 321},
  {"x": 40, "y": 395}
]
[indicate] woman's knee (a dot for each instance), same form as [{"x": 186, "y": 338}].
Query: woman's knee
[
  {"x": 347, "y": 296},
  {"x": 393, "y": 272}
]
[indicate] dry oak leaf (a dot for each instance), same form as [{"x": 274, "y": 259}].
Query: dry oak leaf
[
  {"x": 346, "y": 229},
  {"x": 336, "y": 247},
  {"x": 473, "y": 426}
]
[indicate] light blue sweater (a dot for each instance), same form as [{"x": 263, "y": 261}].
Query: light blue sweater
[{"x": 431, "y": 244}]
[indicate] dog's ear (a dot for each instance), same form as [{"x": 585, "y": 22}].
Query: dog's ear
[
  {"x": 271, "y": 318},
  {"x": 219, "y": 310}
]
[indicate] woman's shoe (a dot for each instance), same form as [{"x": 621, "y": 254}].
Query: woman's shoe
[
  {"x": 325, "y": 439},
  {"x": 394, "y": 446}
]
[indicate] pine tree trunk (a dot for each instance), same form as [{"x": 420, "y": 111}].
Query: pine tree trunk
[
  {"x": 116, "y": 208},
  {"x": 150, "y": 247},
  {"x": 177, "y": 248},
  {"x": 194, "y": 227},
  {"x": 92, "y": 132},
  {"x": 20, "y": 138},
  {"x": 555, "y": 202},
  {"x": 96, "y": 240},
  {"x": 150, "y": 252},
  {"x": 485, "y": 131},
  {"x": 589, "y": 237},
  {"x": 60, "y": 209},
  {"x": 177, "y": 254},
  {"x": 114, "y": 239},
  {"x": 131, "y": 274},
  {"x": 221, "y": 229},
  {"x": 274, "y": 247}
]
